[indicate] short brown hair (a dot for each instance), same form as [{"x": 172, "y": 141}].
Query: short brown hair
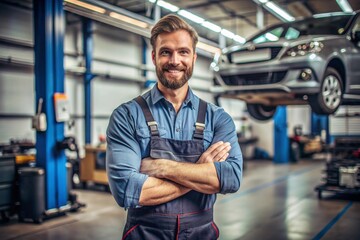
[{"x": 171, "y": 23}]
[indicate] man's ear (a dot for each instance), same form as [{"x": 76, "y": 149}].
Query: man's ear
[
  {"x": 195, "y": 57},
  {"x": 153, "y": 57}
]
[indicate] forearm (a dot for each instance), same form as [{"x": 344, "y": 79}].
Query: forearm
[
  {"x": 199, "y": 177},
  {"x": 157, "y": 191}
]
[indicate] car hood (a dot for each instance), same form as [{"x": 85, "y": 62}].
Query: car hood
[{"x": 282, "y": 42}]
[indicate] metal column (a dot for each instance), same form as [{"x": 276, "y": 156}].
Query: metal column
[
  {"x": 49, "y": 78},
  {"x": 88, "y": 76},
  {"x": 260, "y": 17},
  {"x": 281, "y": 139},
  {"x": 143, "y": 57}
]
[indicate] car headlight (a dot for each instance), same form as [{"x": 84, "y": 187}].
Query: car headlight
[{"x": 304, "y": 49}]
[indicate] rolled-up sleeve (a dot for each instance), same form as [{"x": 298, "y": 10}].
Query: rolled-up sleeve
[
  {"x": 123, "y": 159},
  {"x": 230, "y": 171}
]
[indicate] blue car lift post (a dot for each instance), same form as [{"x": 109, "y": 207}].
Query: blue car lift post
[
  {"x": 281, "y": 139},
  {"x": 49, "y": 79},
  {"x": 88, "y": 76}
]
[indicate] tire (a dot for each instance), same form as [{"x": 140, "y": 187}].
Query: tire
[
  {"x": 328, "y": 100},
  {"x": 261, "y": 112}
]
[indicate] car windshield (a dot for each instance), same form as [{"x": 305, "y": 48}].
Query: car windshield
[{"x": 334, "y": 25}]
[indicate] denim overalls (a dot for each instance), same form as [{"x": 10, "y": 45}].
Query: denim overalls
[{"x": 187, "y": 217}]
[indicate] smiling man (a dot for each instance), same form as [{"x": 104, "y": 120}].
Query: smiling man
[{"x": 169, "y": 153}]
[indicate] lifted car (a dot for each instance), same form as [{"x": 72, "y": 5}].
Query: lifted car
[{"x": 312, "y": 61}]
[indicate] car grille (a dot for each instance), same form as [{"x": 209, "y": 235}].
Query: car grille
[
  {"x": 274, "y": 51},
  {"x": 254, "y": 79}
]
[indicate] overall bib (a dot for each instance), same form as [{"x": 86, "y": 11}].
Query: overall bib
[{"x": 187, "y": 217}]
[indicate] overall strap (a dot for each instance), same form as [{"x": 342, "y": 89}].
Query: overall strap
[
  {"x": 200, "y": 122},
  {"x": 152, "y": 124}
]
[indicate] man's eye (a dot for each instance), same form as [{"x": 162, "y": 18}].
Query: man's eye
[
  {"x": 184, "y": 52},
  {"x": 164, "y": 52}
]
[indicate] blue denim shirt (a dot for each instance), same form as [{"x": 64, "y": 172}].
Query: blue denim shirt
[{"x": 128, "y": 140}]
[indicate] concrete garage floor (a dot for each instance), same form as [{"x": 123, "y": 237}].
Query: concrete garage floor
[{"x": 275, "y": 202}]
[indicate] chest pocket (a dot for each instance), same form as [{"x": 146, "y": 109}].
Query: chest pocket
[
  {"x": 143, "y": 137},
  {"x": 208, "y": 137}
]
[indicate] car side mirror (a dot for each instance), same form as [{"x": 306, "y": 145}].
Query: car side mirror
[{"x": 356, "y": 36}]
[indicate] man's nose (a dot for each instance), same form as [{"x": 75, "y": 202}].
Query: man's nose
[{"x": 174, "y": 59}]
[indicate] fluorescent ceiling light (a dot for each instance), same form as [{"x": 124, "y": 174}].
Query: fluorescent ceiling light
[
  {"x": 191, "y": 16},
  {"x": 129, "y": 20},
  {"x": 208, "y": 48},
  {"x": 200, "y": 20},
  {"x": 239, "y": 39},
  {"x": 227, "y": 33},
  {"x": 344, "y": 5},
  {"x": 211, "y": 26},
  {"x": 263, "y": 1},
  {"x": 168, "y": 6},
  {"x": 279, "y": 11},
  {"x": 320, "y": 15},
  {"x": 86, "y": 5}
]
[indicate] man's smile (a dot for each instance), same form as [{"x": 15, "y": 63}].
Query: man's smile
[{"x": 173, "y": 72}]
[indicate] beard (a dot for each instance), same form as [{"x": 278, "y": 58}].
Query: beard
[{"x": 173, "y": 83}]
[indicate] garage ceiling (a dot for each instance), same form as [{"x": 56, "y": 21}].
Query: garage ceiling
[{"x": 238, "y": 16}]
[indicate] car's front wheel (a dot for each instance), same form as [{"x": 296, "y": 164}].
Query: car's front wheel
[
  {"x": 328, "y": 100},
  {"x": 261, "y": 112}
]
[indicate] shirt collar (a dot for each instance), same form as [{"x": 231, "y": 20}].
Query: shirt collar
[
  {"x": 156, "y": 96},
  {"x": 190, "y": 99}
]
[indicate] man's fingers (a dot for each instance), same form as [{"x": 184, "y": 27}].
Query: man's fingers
[
  {"x": 224, "y": 157},
  {"x": 216, "y": 152},
  {"x": 224, "y": 153},
  {"x": 221, "y": 150},
  {"x": 214, "y": 149},
  {"x": 208, "y": 154},
  {"x": 214, "y": 146}
]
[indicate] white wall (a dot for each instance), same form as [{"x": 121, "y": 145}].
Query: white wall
[
  {"x": 16, "y": 84},
  {"x": 299, "y": 115}
]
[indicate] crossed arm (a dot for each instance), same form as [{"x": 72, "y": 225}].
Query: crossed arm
[
  {"x": 170, "y": 179},
  {"x": 138, "y": 182}
]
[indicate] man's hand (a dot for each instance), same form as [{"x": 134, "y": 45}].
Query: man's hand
[
  {"x": 201, "y": 176},
  {"x": 217, "y": 152}
]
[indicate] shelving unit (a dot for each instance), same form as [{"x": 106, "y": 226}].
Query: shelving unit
[
  {"x": 343, "y": 169},
  {"x": 7, "y": 185}
]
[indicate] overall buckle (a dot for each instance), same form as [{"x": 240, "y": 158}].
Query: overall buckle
[
  {"x": 153, "y": 128},
  {"x": 199, "y": 130}
]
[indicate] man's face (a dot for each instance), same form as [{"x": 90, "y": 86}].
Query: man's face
[{"x": 174, "y": 58}]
